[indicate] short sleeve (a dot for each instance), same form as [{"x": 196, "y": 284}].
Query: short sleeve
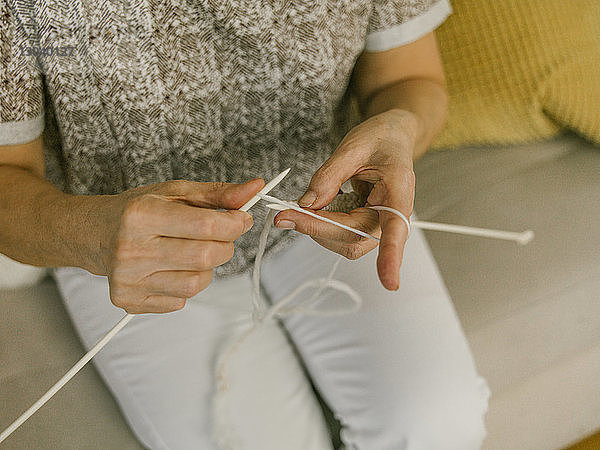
[
  {"x": 394, "y": 23},
  {"x": 21, "y": 93}
]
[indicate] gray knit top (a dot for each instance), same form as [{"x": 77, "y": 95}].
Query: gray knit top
[{"x": 129, "y": 93}]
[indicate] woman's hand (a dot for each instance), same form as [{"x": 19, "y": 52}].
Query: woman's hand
[
  {"x": 165, "y": 239},
  {"x": 377, "y": 156}
]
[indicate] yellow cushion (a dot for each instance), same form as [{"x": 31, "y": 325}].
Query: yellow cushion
[{"x": 521, "y": 70}]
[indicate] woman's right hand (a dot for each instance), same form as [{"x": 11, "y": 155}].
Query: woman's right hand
[{"x": 163, "y": 240}]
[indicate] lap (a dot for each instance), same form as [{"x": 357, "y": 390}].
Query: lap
[
  {"x": 395, "y": 372},
  {"x": 399, "y": 364},
  {"x": 162, "y": 370}
]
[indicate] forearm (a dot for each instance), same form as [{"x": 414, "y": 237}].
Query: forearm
[
  {"x": 427, "y": 100},
  {"x": 42, "y": 226}
]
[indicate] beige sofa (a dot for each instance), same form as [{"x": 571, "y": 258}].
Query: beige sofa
[{"x": 532, "y": 314}]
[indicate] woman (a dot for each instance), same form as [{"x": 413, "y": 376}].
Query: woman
[{"x": 132, "y": 96}]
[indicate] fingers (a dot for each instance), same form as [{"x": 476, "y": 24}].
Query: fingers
[
  {"x": 219, "y": 194},
  {"x": 186, "y": 254},
  {"x": 350, "y": 250},
  {"x": 326, "y": 182},
  {"x": 156, "y": 304},
  {"x": 159, "y": 292},
  {"x": 361, "y": 218},
  {"x": 334, "y": 238},
  {"x": 159, "y": 215},
  {"x": 396, "y": 191},
  {"x": 181, "y": 284},
  {"x": 391, "y": 249},
  {"x": 170, "y": 238}
]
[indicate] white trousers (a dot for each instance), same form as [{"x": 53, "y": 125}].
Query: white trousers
[{"x": 398, "y": 374}]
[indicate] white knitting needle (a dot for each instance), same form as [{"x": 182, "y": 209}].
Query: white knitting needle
[
  {"x": 65, "y": 379},
  {"x": 521, "y": 238},
  {"x": 270, "y": 185},
  {"x": 106, "y": 339}
]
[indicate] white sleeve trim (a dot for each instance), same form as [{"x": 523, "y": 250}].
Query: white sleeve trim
[
  {"x": 21, "y": 132},
  {"x": 410, "y": 30}
]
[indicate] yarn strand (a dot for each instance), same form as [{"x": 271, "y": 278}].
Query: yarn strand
[{"x": 281, "y": 308}]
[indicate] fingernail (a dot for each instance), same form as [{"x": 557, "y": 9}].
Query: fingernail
[
  {"x": 286, "y": 225},
  {"x": 307, "y": 199},
  {"x": 248, "y": 224}
]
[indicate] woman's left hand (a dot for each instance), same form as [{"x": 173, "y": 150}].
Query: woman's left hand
[{"x": 377, "y": 156}]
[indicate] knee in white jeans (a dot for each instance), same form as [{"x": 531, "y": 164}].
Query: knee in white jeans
[{"x": 453, "y": 420}]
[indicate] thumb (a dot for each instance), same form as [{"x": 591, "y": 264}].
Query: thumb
[
  {"x": 222, "y": 195},
  {"x": 326, "y": 182}
]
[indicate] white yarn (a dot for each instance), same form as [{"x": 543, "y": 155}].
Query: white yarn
[
  {"x": 224, "y": 433},
  {"x": 260, "y": 312}
]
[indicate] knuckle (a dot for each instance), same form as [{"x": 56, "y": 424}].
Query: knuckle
[
  {"x": 218, "y": 185},
  {"x": 219, "y": 190},
  {"x": 240, "y": 219},
  {"x": 178, "y": 304},
  {"x": 136, "y": 210},
  {"x": 407, "y": 178},
  {"x": 214, "y": 254},
  {"x": 208, "y": 225},
  {"x": 221, "y": 253},
  {"x": 120, "y": 300},
  {"x": 324, "y": 174},
  {"x": 175, "y": 187},
  {"x": 203, "y": 257},
  {"x": 189, "y": 287},
  {"x": 354, "y": 238},
  {"x": 310, "y": 227},
  {"x": 117, "y": 301},
  {"x": 193, "y": 285},
  {"x": 352, "y": 251},
  {"x": 121, "y": 251},
  {"x": 126, "y": 252}
]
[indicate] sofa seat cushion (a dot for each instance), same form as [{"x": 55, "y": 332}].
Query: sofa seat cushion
[
  {"x": 527, "y": 310},
  {"x": 37, "y": 346}
]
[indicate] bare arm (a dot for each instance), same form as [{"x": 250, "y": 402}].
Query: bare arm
[
  {"x": 158, "y": 244},
  {"x": 402, "y": 96},
  {"x": 409, "y": 79},
  {"x": 39, "y": 224}
]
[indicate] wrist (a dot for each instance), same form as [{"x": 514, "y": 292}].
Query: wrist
[
  {"x": 93, "y": 227},
  {"x": 420, "y": 102},
  {"x": 409, "y": 128}
]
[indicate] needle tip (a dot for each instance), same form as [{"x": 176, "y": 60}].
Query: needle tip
[{"x": 526, "y": 237}]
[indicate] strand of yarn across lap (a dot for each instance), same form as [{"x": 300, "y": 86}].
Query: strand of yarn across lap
[
  {"x": 307, "y": 306},
  {"x": 224, "y": 433},
  {"x": 262, "y": 313}
]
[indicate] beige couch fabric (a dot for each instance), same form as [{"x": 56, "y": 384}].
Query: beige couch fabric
[
  {"x": 532, "y": 314},
  {"x": 37, "y": 346}
]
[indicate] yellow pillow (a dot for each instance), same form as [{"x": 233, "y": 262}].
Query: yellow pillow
[{"x": 521, "y": 70}]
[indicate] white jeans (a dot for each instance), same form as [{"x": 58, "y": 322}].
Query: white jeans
[{"x": 398, "y": 373}]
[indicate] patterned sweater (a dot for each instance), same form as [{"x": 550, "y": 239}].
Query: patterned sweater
[{"x": 132, "y": 93}]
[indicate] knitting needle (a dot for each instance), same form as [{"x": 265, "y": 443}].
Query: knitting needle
[
  {"x": 521, "y": 238},
  {"x": 288, "y": 205},
  {"x": 65, "y": 379},
  {"x": 106, "y": 339},
  {"x": 270, "y": 185}
]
